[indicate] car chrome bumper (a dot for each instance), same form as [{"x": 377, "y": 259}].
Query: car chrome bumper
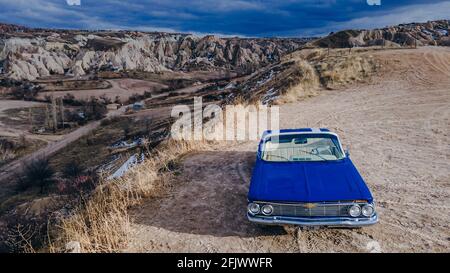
[{"x": 329, "y": 222}]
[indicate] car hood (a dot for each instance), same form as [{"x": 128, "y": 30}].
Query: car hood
[{"x": 307, "y": 182}]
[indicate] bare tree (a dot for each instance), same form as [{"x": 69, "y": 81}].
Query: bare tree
[
  {"x": 30, "y": 118},
  {"x": 126, "y": 129},
  {"x": 47, "y": 117},
  {"x": 55, "y": 120},
  {"x": 61, "y": 110}
]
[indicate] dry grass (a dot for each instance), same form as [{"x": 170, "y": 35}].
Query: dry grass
[
  {"x": 317, "y": 68},
  {"x": 101, "y": 223},
  {"x": 241, "y": 101},
  {"x": 15, "y": 147},
  {"x": 6, "y": 154},
  {"x": 345, "y": 70},
  {"x": 306, "y": 84}
]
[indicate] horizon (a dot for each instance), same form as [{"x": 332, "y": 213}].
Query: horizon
[
  {"x": 240, "y": 18},
  {"x": 210, "y": 34}
]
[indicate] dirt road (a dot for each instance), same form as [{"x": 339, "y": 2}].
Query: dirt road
[
  {"x": 11, "y": 169},
  {"x": 122, "y": 88},
  {"x": 397, "y": 127}
]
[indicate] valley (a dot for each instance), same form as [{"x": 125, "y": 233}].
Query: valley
[{"x": 89, "y": 105}]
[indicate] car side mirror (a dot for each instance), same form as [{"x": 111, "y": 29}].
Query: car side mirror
[{"x": 347, "y": 152}]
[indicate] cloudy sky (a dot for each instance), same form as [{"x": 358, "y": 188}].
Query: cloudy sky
[{"x": 252, "y": 18}]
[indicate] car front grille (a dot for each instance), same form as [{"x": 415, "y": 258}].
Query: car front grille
[{"x": 311, "y": 209}]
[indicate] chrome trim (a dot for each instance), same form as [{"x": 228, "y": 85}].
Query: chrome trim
[
  {"x": 262, "y": 209},
  {"x": 275, "y": 133},
  {"x": 360, "y": 210},
  {"x": 253, "y": 203},
  {"x": 301, "y": 221},
  {"x": 368, "y": 205},
  {"x": 347, "y": 203}
]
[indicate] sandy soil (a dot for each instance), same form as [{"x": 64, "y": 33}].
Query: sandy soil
[
  {"x": 120, "y": 87},
  {"x": 16, "y": 131},
  {"x": 397, "y": 128},
  {"x": 11, "y": 104}
]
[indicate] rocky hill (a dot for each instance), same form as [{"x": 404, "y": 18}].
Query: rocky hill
[
  {"x": 420, "y": 34},
  {"x": 28, "y": 54}
]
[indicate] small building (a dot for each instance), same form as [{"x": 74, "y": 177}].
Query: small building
[
  {"x": 81, "y": 115},
  {"x": 137, "y": 106},
  {"x": 113, "y": 106}
]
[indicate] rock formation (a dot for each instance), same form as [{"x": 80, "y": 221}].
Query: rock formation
[
  {"x": 420, "y": 34},
  {"x": 28, "y": 54}
]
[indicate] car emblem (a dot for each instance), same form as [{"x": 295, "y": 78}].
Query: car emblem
[{"x": 310, "y": 205}]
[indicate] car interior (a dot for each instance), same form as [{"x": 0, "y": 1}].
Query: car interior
[{"x": 301, "y": 148}]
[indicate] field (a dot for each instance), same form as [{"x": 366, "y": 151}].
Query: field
[
  {"x": 125, "y": 84},
  {"x": 15, "y": 119},
  {"x": 119, "y": 88}
]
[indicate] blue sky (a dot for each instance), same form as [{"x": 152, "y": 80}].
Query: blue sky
[{"x": 251, "y": 18}]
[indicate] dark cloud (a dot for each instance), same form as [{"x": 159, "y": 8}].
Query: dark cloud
[{"x": 227, "y": 17}]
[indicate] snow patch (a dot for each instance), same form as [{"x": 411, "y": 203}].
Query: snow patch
[{"x": 131, "y": 162}]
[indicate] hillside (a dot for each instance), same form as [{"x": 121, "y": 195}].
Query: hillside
[
  {"x": 28, "y": 54},
  {"x": 420, "y": 34},
  {"x": 396, "y": 126}
]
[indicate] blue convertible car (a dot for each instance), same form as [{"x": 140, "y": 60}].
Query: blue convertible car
[{"x": 304, "y": 177}]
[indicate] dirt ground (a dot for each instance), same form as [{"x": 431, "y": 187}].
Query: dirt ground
[
  {"x": 397, "y": 128},
  {"x": 122, "y": 88},
  {"x": 17, "y": 130}
]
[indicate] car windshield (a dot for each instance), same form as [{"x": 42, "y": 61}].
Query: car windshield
[{"x": 301, "y": 147}]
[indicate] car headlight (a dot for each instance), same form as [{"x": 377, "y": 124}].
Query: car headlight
[
  {"x": 253, "y": 208},
  {"x": 367, "y": 210},
  {"x": 267, "y": 209},
  {"x": 354, "y": 211}
]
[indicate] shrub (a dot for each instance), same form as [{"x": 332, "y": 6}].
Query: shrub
[
  {"x": 77, "y": 185},
  {"x": 73, "y": 169},
  {"x": 23, "y": 184},
  {"x": 126, "y": 128},
  {"x": 106, "y": 100},
  {"x": 109, "y": 121},
  {"x": 94, "y": 109},
  {"x": 135, "y": 97},
  {"x": 69, "y": 99},
  {"x": 39, "y": 173},
  {"x": 7, "y": 150},
  {"x": 25, "y": 235},
  {"x": 148, "y": 94},
  {"x": 26, "y": 91},
  {"x": 118, "y": 100}
]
